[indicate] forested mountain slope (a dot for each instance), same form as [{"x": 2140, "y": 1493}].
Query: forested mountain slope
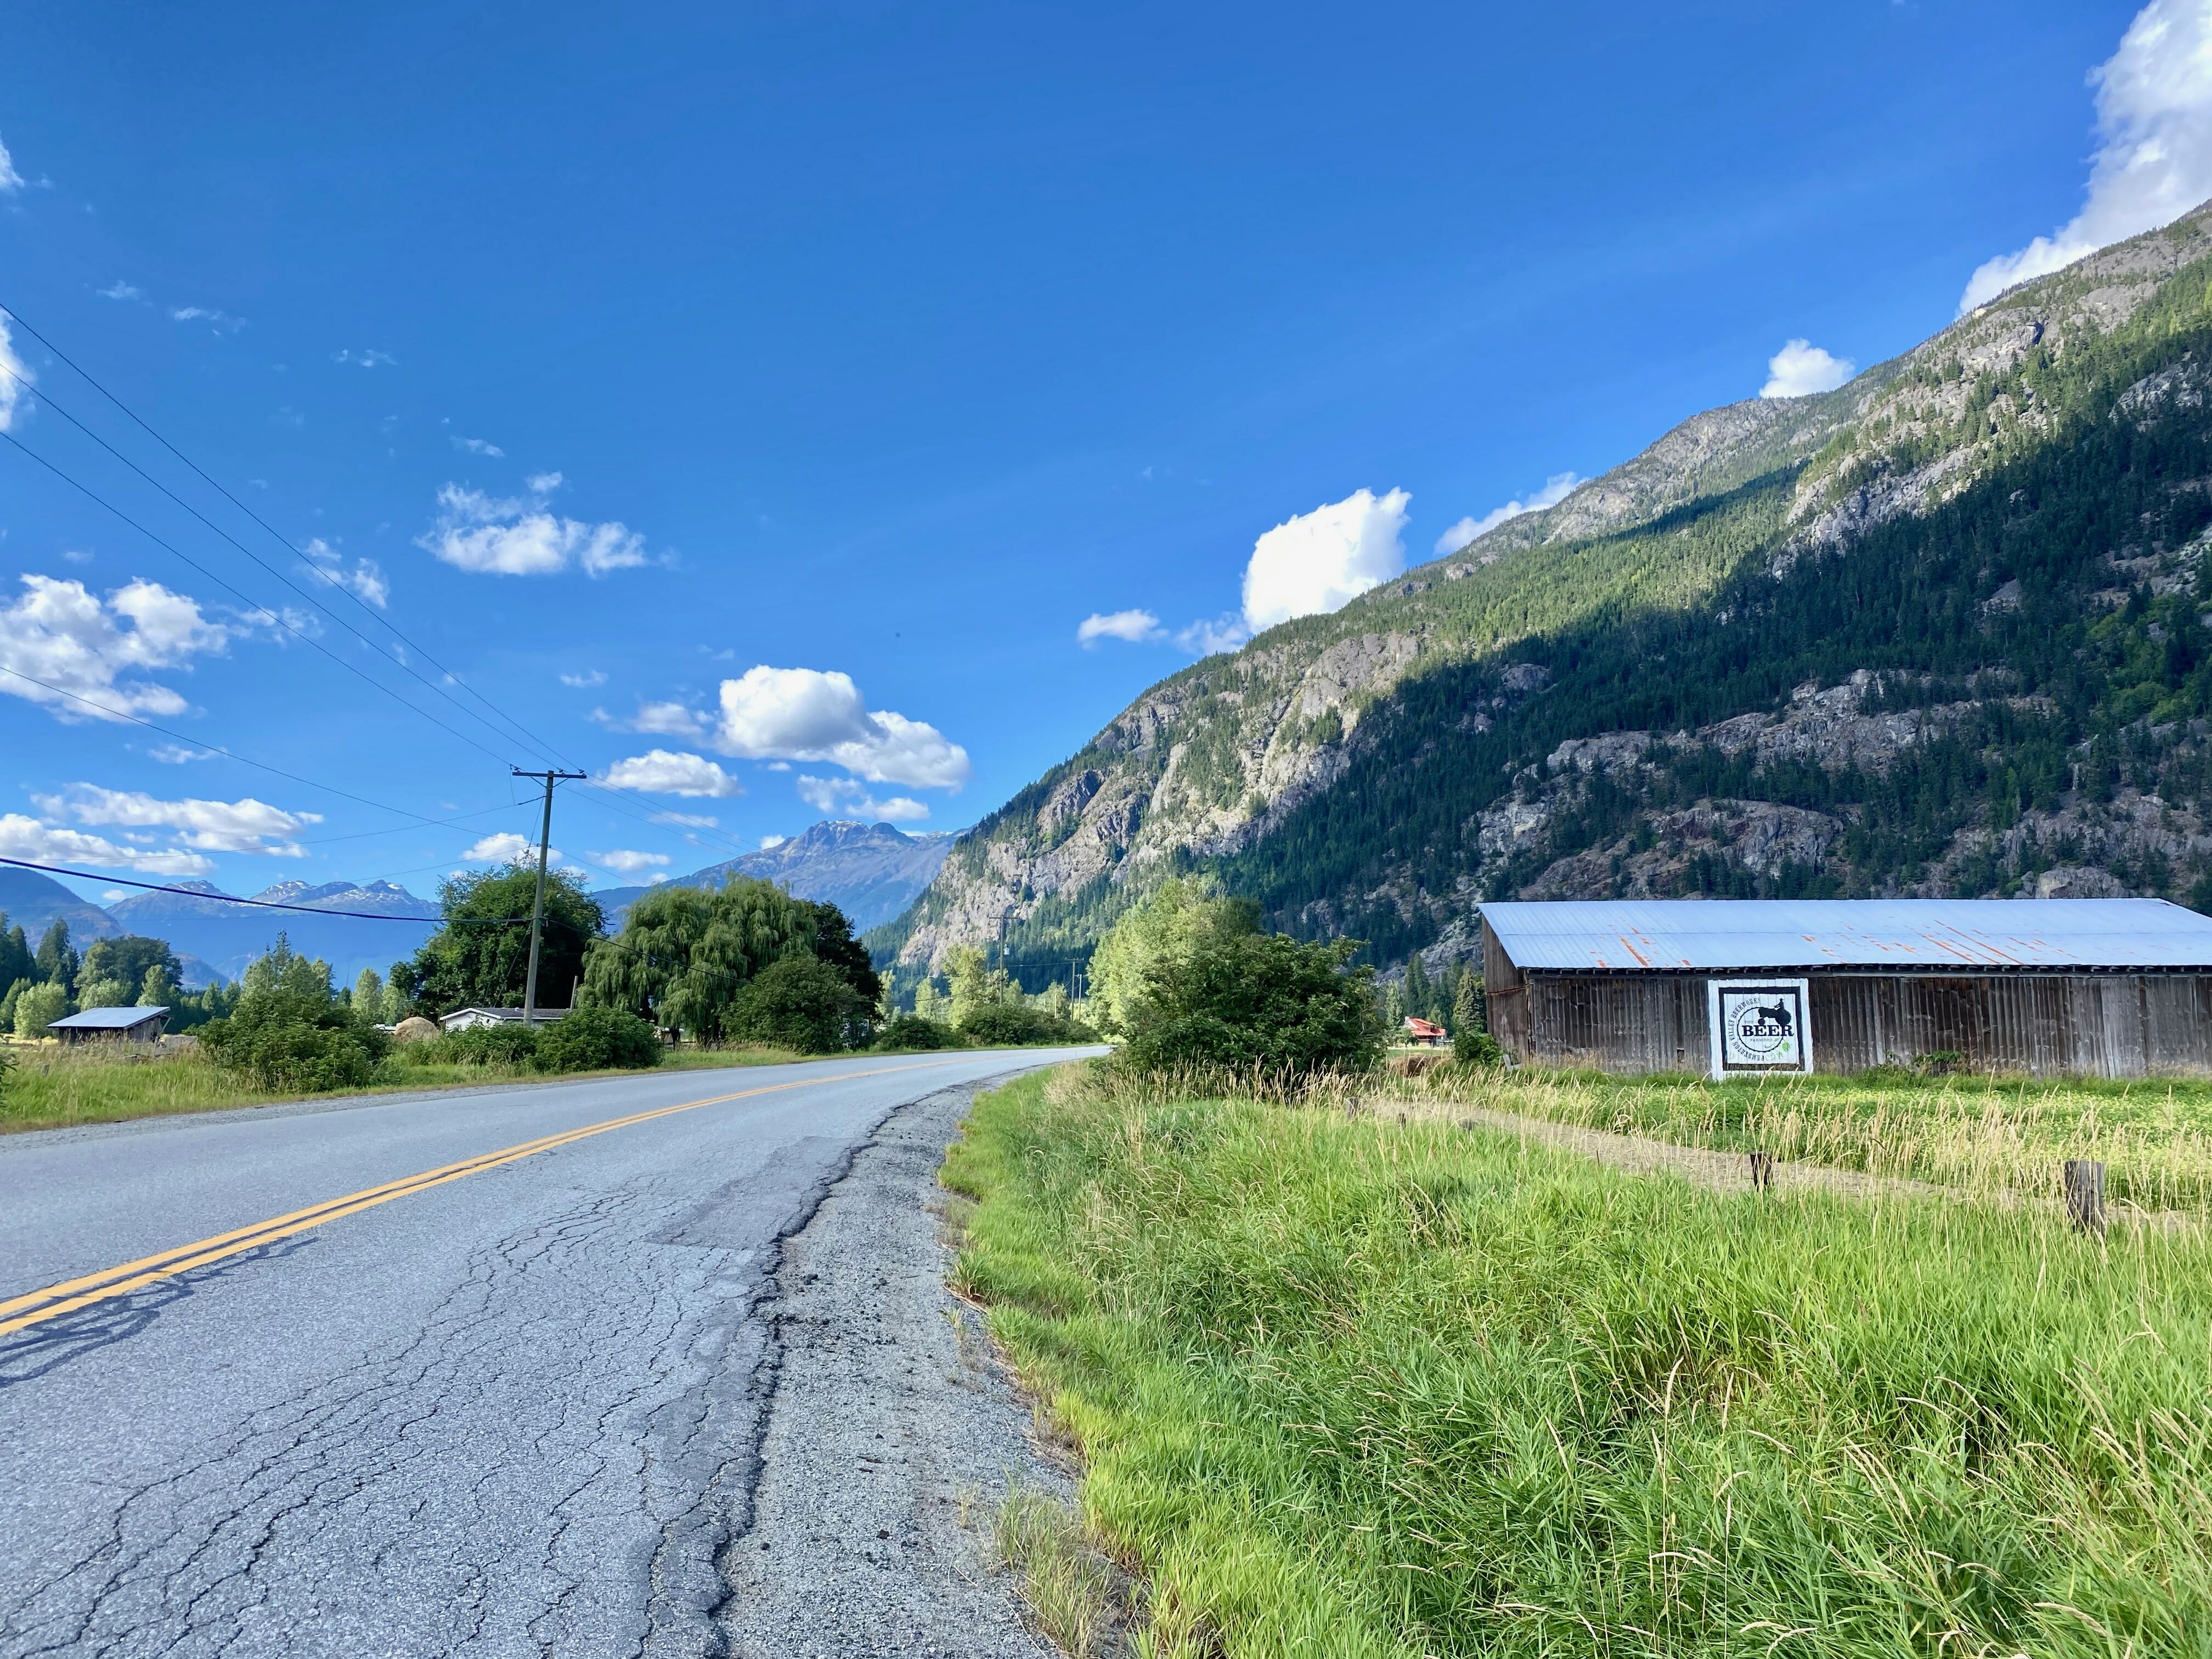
[{"x": 1942, "y": 631}]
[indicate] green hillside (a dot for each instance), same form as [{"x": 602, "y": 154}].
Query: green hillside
[{"x": 1941, "y": 631}]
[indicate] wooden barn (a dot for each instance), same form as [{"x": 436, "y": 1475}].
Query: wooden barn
[{"x": 2097, "y": 987}]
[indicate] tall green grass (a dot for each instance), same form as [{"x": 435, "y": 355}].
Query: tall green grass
[
  {"x": 1349, "y": 1387},
  {"x": 1983, "y": 1134},
  {"x": 52, "y": 1087}
]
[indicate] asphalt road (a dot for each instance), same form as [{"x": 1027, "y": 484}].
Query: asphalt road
[{"x": 514, "y": 1410}]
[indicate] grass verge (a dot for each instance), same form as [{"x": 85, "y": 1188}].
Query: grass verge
[
  {"x": 51, "y": 1087},
  {"x": 1347, "y": 1387}
]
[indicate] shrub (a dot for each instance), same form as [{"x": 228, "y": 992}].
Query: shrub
[
  {"x": 38, "y": 1007},
  {"x": 597, "y": 1039},
  {"x": 1020, "y": 1024},
  {"x": 912, "y": 1031},
  {"x": 1477, "y": 1048},
  {"x": 799, "y": 1002},
  {"x": 1256, "y": 1000},
  {"x": 291, "y": 1039}
]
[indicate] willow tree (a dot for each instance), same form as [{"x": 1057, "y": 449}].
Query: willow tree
[{"x": 685, "y": 953}]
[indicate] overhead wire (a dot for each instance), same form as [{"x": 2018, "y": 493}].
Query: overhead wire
[
  {"x": 611, "y": 791},
  {"x": 240, "y": 593},
  {"x": 324, "y": 576}
]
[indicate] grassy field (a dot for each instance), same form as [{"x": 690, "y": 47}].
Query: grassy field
[
  {"x": 1980, "y": 1132},
  {"x": 1349, "y": 1387},
  {"x": 52, "y": 1087}
]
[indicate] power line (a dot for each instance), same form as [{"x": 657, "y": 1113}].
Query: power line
[
  {"x": 612, "y": 792},
  {"x": 258, "y": 904},
  {"x": 273, "y": 771},
  {"x": 305, "y": 639},
  {"x": 328, "y": 580}
]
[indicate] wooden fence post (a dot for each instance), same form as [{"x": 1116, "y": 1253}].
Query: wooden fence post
[
  {"x": 1762, "y": 1172},
  {"x": 2085, "y": 1195}
]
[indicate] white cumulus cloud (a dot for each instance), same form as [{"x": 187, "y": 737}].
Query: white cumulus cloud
[
  {"x": 807, "y": 714},
  {"x": 15, "y": 378},
  {"x": 1557, "y": 488},
  {"x": 26, "y": 838},
  {"x": 503, "y": 537},
  {"x": 207, "y": 826},
  {"x": 1801, "y": 368},
  {"x": 505, "y": 848},
  {"x": 768, "y": 843},
  {"x": 2153, "y": 160},
  {"x": 585, "y": 681},
  {"x": 477, "y": 446},
  {"x": 1135, "y": 626},
  {"x": 850, "y": 797},
  {"x": 10, "y": 180},
  {"x": 101, "y": 649},
  {"x": 1321, "y": 560},
  {"x": 1211, "y": 634},
  {"x": 624, "y": 861},
  {"x": 363, "y": 578},
  {"x": 664, "y": 772}
]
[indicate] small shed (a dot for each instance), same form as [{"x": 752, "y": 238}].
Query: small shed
[
  {"x": 112, "y": 1026},
  {"x": 2099, "y": 987},
  {"x": 468, "y": 1019}
]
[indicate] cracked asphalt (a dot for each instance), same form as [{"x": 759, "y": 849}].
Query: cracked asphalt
[{"x": 518, "y": 1414}]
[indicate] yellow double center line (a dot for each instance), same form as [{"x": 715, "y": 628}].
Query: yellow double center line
[{"x": 68, "y": 1297}]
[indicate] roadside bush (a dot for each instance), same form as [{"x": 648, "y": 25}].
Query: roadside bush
[
  {"x": 289, "y": 1038},
  {"x": 912, "y": 1031},
  {"x": 597, "y": 1039},
  {"x": 481, "y": 1045},
  {"x": 38, "y": 1007},
  {"x": 1001, "y": 1024},
  {"x": 801, "y": 1003},
  {"x": 1255, "y": 1001}
]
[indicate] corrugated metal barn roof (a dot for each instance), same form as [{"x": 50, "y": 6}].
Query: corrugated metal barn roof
[
  {"x": 1907, "y": 935},
  {"x": 107, "y": 1020}
]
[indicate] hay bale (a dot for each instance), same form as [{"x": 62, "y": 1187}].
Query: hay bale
[{"x": 414, "y": 1028}]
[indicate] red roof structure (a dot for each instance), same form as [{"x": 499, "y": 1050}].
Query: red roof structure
[{"x": 1424, "y": 1031}]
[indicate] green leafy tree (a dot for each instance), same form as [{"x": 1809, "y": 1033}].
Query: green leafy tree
[
  {"x": 684, "y": 952},
  {"x": 929, "y": 1004},
  {"x": 976, "y": 984},
  {"x": 8, "y": 1002},
  {"x": 368, "y": 994},
  {"x": 159, "y": 989},
  {"x": 480, "y": 955},
  {"x": 38, "y": 1007},
  {"x": 800, "y": 1002},
  {"x": 1169, "y": 925},
  {"x": 834, "y": 943},
  {"x": 56, "y": 959},
  {"x": 127, "y": 959},
  {"x": 1247, "y": 1000},
  {"x": 102, "y": 992},
  {"x": 288, "y": 1031}
]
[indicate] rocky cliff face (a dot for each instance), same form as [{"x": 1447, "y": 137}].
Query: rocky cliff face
[{"x": 1262, "y": 766}]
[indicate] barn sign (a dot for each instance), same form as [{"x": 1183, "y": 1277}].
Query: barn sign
[{"x": 1759, "y": 1025}]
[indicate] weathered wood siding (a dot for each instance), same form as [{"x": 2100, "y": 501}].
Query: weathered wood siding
[{"x": 2077, "y": 1025}]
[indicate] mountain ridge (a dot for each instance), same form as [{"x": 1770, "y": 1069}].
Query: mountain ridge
[
  {"x": 1284, "y": 770},
  {"x": 871, "y": 872}
]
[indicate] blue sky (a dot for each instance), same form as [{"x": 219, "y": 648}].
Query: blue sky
[{"x": 760, "y": 399}]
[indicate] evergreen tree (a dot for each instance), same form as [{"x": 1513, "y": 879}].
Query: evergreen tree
[
  {"x": 16, "y": 961},
  {"x": 56, "y": 959}
]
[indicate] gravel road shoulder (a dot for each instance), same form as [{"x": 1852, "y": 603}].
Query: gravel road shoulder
[{"x": 893, "y": 1433}]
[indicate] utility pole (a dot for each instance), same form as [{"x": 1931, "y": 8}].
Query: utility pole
[{"x": 537, "y": 906}]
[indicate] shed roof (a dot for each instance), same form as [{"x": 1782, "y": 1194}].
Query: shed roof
[
  {"x": 1898, "y": 935},
  {"x": 107, "y": 1020}
]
